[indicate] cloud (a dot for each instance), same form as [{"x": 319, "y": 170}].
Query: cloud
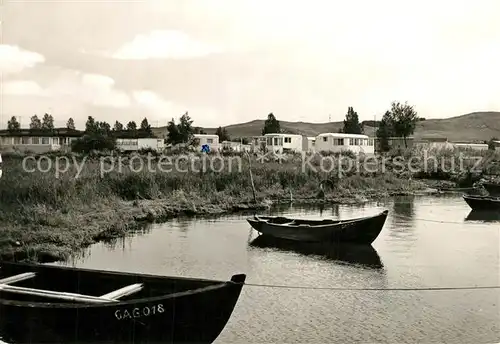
[
  {"x": 22, "y": 88},
  {"x": 164, "y": 45},
  {"x": 161, "y": 110},
  {"x": 13, "y": 59},
  {"x": 93, "y": 89}
]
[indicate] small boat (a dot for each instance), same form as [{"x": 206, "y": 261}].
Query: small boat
[
  {"x": 53, "y": 304},
  {"x": 362, "y": 230},
  {"x": 492, "y": 188},
  {"x": 483, "y": 203}
]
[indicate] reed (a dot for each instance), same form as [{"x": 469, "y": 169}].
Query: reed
[{"x": 49, "y": 214}]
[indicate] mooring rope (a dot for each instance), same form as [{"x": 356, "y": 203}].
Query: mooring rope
[
  {"x": 440, "y": 221},
  {"x": 370, "y": 289}
]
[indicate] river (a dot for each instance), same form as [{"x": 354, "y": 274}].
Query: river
[{"x": 426, "y": 242}]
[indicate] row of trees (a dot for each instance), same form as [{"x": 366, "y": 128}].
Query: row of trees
[
  {"x": 100, "y": 136},
  {"x": 47, "y": 124}
]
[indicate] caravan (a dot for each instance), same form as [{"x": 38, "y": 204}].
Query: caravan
[{"x": 282, "y": 143}]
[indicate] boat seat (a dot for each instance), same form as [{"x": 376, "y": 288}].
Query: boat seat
[{"x": 17, "y": 278}]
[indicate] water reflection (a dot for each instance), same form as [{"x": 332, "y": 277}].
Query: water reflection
[
  {"x": 402, "y": 219},
  {"x": 364, "y": 255},
  {"x": 127, "y": 239},
  {"x": 316, "y": 210},
  {"x": 483, "y": 216},
  {"x": 404, "y": 207}
]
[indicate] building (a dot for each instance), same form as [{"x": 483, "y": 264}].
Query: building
[
  {"x": 136, "y": 144},
  {"x": 282, "y": 143},
  {"x": 208, "y": 139},
  {"x": 340, "y": 142},
  {"x": 38, "y": 141}
]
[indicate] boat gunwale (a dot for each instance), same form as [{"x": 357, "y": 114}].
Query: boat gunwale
[
  {"x": 340, "y": 222},
  {"x": 218, "y": 284}
]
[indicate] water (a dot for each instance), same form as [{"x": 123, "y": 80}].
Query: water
[{"x": 415, "y": 249}]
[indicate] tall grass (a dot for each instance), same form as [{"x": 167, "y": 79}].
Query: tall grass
[
  {"x": 203, "y": 179},
  {"x": 54, "y": 214}
]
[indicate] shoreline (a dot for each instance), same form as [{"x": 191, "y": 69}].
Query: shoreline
[
  {"x": 133, "y": 215},
  {"x": 48, "y": 217}
]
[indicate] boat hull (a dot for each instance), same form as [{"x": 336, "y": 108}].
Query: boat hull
[
  {"x": 493, "y": 189},
  {"x": 482, "y": 203},
  {"x": 188, "y": 316},
  {"x": 356, "y": 231}
]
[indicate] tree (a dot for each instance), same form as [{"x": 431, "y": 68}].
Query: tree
[
  {"x": 132, "y": 126},
  {"x": 404, "y": 120},
  {"x": 384, "y": 131},
  {"x": 271, "y": 125},
  {"x": 97, "y": 137},
  {"x": 70, "y": 124},
  {"x": 173, "y": 134},
  {"x": 185, "y": 128},
  {"x": 47, "y": 122},
  {"x": 198, "y": 130},
  {"x": 118, "y": 126},
  {"x": 103, "y": 128},
  {"x": 223, "y": 134},
  {"x": 35, "y": 122},
  {"x": 146, "y": 128},
  {"x": 351, "y": 122},
  {"x": 13, "y": 124},
  {"x": 91, "y": 126}
]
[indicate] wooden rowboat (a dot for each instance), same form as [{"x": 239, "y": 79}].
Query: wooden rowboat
[
  {"x": 52, "y": 304},
  {"x": 357, "y": 231},
  {"x": 493, "y": 189},
  {"x": 483, "y": 203}
]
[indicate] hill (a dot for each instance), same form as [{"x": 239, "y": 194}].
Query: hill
[{"x": 476, "y": 126}]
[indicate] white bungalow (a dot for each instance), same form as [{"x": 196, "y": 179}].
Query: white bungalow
[
  {"x": 211, "y": 140},
  {"x": 339, "y": 142},
  {"x": 279, "y": 143}
]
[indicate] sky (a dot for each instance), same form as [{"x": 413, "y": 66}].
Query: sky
[{"x": 233, "y": 61}]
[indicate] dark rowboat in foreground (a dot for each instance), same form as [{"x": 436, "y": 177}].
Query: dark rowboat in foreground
[
  {"x": 357, "y": 231},
  {"x": 110, "y": 307},
  {"x": 483, "y": 203},
  {"x": 493, "y": 189}
]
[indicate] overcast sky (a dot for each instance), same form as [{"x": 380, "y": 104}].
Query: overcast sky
[{"x": 230, "y": 61}]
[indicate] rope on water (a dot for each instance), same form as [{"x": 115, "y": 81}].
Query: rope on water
[
  {"x": 370, "y": 289},
  {"x": 440, "y": 221}
]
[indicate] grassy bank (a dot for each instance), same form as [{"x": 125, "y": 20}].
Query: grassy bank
[{"x": 79, "y": 200}]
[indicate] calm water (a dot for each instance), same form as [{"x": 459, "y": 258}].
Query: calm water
[{"x": 415, "y": 249}]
